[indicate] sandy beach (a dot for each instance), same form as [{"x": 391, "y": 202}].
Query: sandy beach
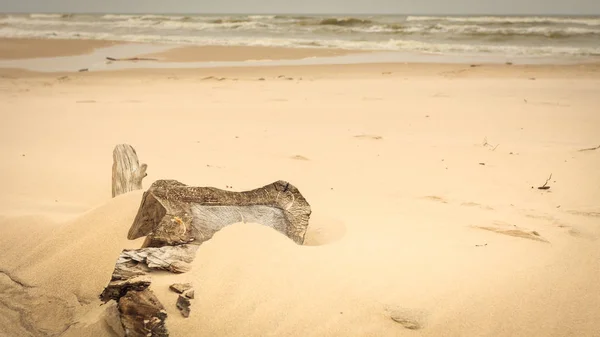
[{"x": 422, "y": 179}]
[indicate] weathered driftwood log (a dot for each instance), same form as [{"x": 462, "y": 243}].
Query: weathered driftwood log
[
  {"x": 142, "y": 314},
  {"x": 127, "y": 173},
  {"x": 172, "y": 213}
]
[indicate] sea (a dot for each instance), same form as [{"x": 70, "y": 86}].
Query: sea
[{"x": 512, "y": 36}]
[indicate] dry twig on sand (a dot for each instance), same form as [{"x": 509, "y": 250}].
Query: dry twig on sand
[
  {"x": 590, "y": 149},
  {"x": 545, "y": 186},
  {"x": 131, "y": 59},
  {"x": 486, "y": 144}
]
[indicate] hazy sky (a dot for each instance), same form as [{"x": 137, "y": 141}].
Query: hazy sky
[{"x": 589, "y": 7}]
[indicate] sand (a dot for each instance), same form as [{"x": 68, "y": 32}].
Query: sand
[
  {"x": 234, "y": 53},
  {"x": 422, "y": 180},
  {"x": 12, "y": 49}
]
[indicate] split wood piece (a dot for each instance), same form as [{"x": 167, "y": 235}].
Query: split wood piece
[
  {"x": 127, "y": 173},
  {"x": 142, "y": 314},
  {"x": 180, "y": 288},
  {"x": 183, "y": 304},
  {"x": 119, "y": 288},
  {"x": 172, "y": 213},
  {"x": 175, "y": 259},
  {"x": 133, "y": 265}
]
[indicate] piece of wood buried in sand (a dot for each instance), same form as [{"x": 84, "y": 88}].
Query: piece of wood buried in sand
[
  {"x": 134, "y": 265},
  {"x": 590, "y": 149},
  {"x": 183, "y": 304},
  {"x": 172, "y": 213},
  {"x": 131, "y": 59},
  {"x": 545, "y": 186},
  {"x": 180, "y": 288},
  {"x": 142, "y": 314},
  {"x": 127, "y": 173}
]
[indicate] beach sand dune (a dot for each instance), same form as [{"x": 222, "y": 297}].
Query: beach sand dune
[{"x": 421, "y": 187}]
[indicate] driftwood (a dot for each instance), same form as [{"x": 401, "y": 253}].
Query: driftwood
[
  {"x": 142, "y": 315},
  {"x": 180, "y": 288},
  {"x": 131, "y": 59},
  {"x": 176, "y": 219},
  {"x": 127, "y": 173},
  {"x": 172, "y": 213},
  {"x": 133, "y": 265},
  {"x": 183, "y": 304}
]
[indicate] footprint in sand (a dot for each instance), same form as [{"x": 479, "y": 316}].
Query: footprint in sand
[
  {"x": 436, "y": 199},
  {"x": 409, "y": 318},
  {"x": 299, "y": 157},
  {"x": 511, "y": 230},
  {"x": 474, "y": 204},
  {"x": 582, "y": 213}
]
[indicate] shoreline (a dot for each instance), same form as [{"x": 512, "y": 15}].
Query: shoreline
[{"x": 70, "y": 56}]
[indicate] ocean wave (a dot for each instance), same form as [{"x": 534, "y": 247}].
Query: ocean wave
[
  {"x": 344, "y": 22},
  {"x": 388, "y": 45},
  {"x": 509, "y": 19},
  {"x": 50, "y": 16},
  {"x": 140, "y": 23}
]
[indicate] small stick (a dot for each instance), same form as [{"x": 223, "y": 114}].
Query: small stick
[
  {"x": 545, "y": 186},
  {"x": 590, "y": 149}
]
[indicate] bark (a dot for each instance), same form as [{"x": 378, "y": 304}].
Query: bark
[{"x": 142, "y": 315}]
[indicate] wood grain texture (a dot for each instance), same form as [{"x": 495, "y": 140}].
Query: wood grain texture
[{"x": 127, "y": 173}]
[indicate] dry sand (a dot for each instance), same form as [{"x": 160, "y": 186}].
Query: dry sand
[{"x": 422, "y": 180}]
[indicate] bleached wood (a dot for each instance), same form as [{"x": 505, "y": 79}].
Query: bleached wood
[{"x": 127, "y": 173}]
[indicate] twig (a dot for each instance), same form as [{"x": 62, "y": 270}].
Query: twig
[
  {"x": 545, "y": 186},
  {"x": 485, "y": 143},
  {"x": 590, "y": 149},
  {"x": 131, "y": 59}
]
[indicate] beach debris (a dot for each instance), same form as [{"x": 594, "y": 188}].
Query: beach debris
[
  {"x": 63, "y": 78},
  {"x": 142, "y": 314},
  {"x": 278, "y": 205},
  {"x": 180, "y": 288},
  {"x": 176, "y": 219},
  {"x": 261, "y": 79},
  {"x": 183, "y": 304},
  {"x": 483, "y": 164},
  {"x": 386, "y": 73},
  {"x": 214, "y": 78},
  {"x": 131, "y": 59},
  {"x": 299, "y": 157},
  {"x": 118, "y": 288},
  {"x": 475, "y": 65},
  {"x": 509, "y": 63},
  {"x": 590, "y": 149},
  {"x": 545, "y": 186},
  {"x": 83, "y": 70},
  {"x": 483, "y": 245},
  {"x": 127, "y": 173},
  {"x": 486, "y": 144},
  {"x": 373, "y": 137}
]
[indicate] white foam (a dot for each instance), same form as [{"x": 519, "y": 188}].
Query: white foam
[{"x": 509, "y": 19}]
